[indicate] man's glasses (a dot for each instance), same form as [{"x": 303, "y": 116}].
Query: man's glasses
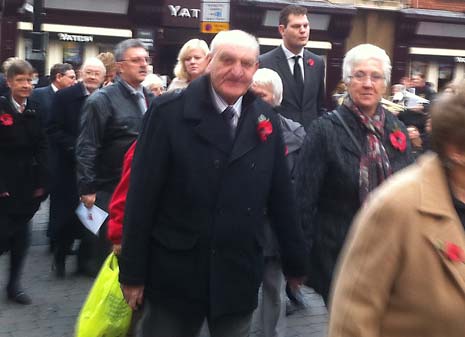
[
  {"x": 361, "y": 77},
  {"x": 139, "y": 60}
]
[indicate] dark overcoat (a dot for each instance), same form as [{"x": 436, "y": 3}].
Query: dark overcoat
[
  {"x": 194, "y": 226},
  {"x": 327, "y": 186},
  {"x": 62, "y": 130},
  {"x": 44, "y": 97},
  {"x": 23, "y": 158},
  {"x": 314, "y": 85}
]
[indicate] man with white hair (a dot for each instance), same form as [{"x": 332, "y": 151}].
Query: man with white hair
[
  {"x": 209, "y": 170},
  {"x": 63, "y": 129}
]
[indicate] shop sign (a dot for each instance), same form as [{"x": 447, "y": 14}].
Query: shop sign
[
  {"x": 75, "y": 38},
  {"x": 183, "y": 12},
  {"x": 146, "y": 37},
  {"x": 459, "y": 59}
]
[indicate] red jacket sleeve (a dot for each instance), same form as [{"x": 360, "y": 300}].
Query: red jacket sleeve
[{"x": 118, "y": 200}]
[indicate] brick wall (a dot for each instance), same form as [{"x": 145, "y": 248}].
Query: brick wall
[{"x": 447, "y": 5}]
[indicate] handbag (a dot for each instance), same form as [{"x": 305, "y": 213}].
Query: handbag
[{"x": 105, "y": 312}]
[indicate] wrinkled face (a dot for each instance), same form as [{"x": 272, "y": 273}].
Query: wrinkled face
[
  {"x": 367, "y": 85},
  {"x": 133, "y": 67},
  {"x": 195, "y": 63},
  {"x": 92, "y": 77},
  {"x": 295, "y": 35},
  {"x": 20, "y": 86},
  {"x": 231, "y": 71},
  {"x": 66, "y": 80},
  {"x": 265, "y": 92},
  {"x": 157, "y": 90}
]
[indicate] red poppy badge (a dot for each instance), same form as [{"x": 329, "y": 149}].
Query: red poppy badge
[
  {"x": 453, "y": 252},
  {"x": 311, "y": 62},
  {"x": 6, "y": 119},
  {"x": 264, "y": 128},
  {"x": 398, "y": 140}
]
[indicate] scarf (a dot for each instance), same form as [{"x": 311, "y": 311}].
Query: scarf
[{"x": 374, "y": 162}]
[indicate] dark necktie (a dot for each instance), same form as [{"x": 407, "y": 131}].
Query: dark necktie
[
  {"x": 228, "y": 116},
  {"x": 298, "y": 77}
]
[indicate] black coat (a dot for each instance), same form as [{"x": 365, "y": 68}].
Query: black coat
[
  {"x": 194, "y": 226},
  {"x": 44, "y": 97},
  {"x": 328, "y": 186},
  {"x": 23, "y": 159},
  {"x": 62, "y": 130},
  {"x": 110, "y": 122},
  {"x": 314, "y": 89}
]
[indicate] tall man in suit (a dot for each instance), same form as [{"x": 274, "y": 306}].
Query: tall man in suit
[
  {"x": 62, "y": 75},
  {"x": 209, "y": 170},
  {"x": 301, "y": 71},
  {"x": 63, "y": 129}
]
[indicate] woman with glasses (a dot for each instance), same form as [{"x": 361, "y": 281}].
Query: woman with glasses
[
  {"x": 402, "y": 273},
  {"x": 192, "y": 62},
  {"x": 347, "y": 154}
]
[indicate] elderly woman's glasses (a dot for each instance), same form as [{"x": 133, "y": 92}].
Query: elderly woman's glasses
[{"x": 361, "y": 77}]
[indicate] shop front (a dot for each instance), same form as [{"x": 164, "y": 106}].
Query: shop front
[
  {"x": 70, "y": 44},
  {"x": 430, "y": 42}
]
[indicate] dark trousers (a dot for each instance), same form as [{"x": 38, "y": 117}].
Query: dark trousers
[
  {"x": 158, "y": 321},
  {"x": 16, "y": 236}
]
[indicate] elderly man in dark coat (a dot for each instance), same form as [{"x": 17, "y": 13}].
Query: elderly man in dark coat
[
  {"x": 63, "y": 129},
  {"x": 209, "y": 170}
]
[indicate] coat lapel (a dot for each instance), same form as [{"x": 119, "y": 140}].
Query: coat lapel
[
  {"x": 246, "y": 137},
  {"x": 208, "y": 124},
  {"x": 309, "y": 76},
  {"x": 435, "y": 200}
]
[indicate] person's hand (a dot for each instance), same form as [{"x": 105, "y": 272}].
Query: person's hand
[
  {"x": 117, "y": 249},
  {"x": 38, "y": 192},
  {"x": 295, "y": 282},
  {"x": 134, "y": 295},
  {"x": 4, "y": 194},
  {"x": 414, "y": 136},
  {"x": 88, "y": 200}
]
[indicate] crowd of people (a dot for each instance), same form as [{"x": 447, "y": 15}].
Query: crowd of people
[{"x": 238, "y": 178}]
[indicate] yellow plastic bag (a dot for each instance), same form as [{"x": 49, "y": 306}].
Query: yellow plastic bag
[{"x": 105, "y": 312}]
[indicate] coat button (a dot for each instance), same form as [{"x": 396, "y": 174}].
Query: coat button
[
  {"x": 252, "y": 166},
  {"x": 220, "y": 211},
  {"x": 249, "y": 210},
  {"x": 216, "y": 164},
  {"x": 213, "y": 252}
]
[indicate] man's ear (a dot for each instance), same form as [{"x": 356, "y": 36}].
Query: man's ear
[{"x": 281, "y": 29}]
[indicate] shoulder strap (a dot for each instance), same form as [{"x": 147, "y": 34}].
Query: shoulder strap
[{"x": 351, "y": 135}]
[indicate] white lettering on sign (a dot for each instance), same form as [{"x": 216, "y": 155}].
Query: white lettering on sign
[
  {"x": 459, "y": 59},
  {"x": 183, "y": 12},
  {"x": 75, "y": 38}
]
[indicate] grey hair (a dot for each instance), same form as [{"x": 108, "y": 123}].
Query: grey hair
[
  {"x": 151, "y": 80},
  {"x": 365, "y": 52},
  {"x": 268, "y": 77},
  {"x": 94, "y": 61},
  {"x": 236, "y": 38},
  {"x": 121, "y": 48}
]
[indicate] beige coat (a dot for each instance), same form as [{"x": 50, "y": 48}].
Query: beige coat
[{"x": 393, "y": 279}]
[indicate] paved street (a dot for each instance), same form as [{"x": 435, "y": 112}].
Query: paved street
[{"x": 56, "y": 303}]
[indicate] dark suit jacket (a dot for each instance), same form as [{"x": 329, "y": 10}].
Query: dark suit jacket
[
  {"x": 62, "y": 129},
  {"x": 313, "y": 93},
  {"x": 43, "y": 96},
  {"x": 194, "y": 225}
]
